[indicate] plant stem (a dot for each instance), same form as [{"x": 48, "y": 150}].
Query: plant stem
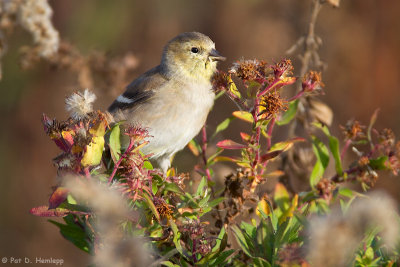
[
  {"x": 203, "y": 152},
  {"x": 120, "y": 160},
  {"x": 270, "y": 129}
]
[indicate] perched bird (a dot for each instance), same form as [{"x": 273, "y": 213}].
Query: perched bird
[{"x": 173, "y": 99}]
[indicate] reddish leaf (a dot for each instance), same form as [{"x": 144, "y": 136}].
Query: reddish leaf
[
  {"x": 59, "y": 196},
  {"x": 245, "y": 137},
  {"x": 44, "y": 211},
  {"x": 270, "y": 155},
  {"x": 229, "y": 144}
]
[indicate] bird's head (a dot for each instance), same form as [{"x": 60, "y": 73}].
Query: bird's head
[{"x": 191, "y": 56}]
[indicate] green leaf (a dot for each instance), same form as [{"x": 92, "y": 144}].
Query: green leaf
[
  {"x": 241, "y": 240},
  {"x": 221, "y": 241},
  {"x": 322, "y": 154},
  {"x": 201, "y": 187},
  {"x": 220, "y": 245},
  {"x": 147, "y": 164},
  {"x": 73, "y": 233},
  {"x": 378, "y": 163},
  {"x": 260, "y": 262},
  {"x": 177, "y": 236},
  {"x": 211, "y": 159},
  {"x": 220, "y": 260},
  {"x": 289, "y": 114},
  {"x": 346, "y": 192},
  {"x": 172, "y": 187},
  {"x": 369, "y": 254},
  {"x": 169, "y": 264},
  {"x": 154, "y": 188},
  {"x": 115, "y": 143},
  {"x": 222, "y": 126},
  {"x": 333, "y": 146},
  {"x": 216, "y": 201},
  {"x": 203, "y": 202},
  {"x": 151, "y": 206}
]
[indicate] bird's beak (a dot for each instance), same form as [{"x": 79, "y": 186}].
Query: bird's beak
[{"x": 216, "y": 56}]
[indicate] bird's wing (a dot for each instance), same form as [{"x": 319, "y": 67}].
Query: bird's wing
[{"x": 139, "y": 90}]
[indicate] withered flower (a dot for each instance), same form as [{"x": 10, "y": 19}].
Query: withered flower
[
  {"x": 283, "y": 69},
  {"x": 387, "y": 137},
  {"x": 220, "y": 81},
  {"x": 204, "y": 247},
  {"x": 312, "y": 81},
  {"x": 271, "y": 104},
  {"x": 363, "y": 161},
  {"x": 250, "y": 70},
  {"x": 394, "y": 159},
  {"x": 353, "y": 129},
  {"x": 162, "y": 207},
  {"x": 367, "y": 178},
  {"x": 325, "y": 188}
]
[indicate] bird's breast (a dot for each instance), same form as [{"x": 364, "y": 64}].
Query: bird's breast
[{"x": 182, "y": 111}]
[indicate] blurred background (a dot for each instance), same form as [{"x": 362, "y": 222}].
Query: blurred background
[{"x": 361, "y": 41}]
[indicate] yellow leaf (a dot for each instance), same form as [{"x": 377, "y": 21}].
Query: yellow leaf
[
  {"x": 262, "y": 206},
  {"x": 171, "y": 172},
  {"x": 94, "y": 151},
  {"x": 243, "y": 115},
  {"x": 232, "y": 88}
]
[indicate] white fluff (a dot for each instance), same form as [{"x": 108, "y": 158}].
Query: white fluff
[{"x": 80, "y": 104}]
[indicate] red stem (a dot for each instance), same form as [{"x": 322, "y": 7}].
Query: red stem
[
  {"x": 257, "y": 137},
  {"x": 346, "y": 146},
  {"x": 299, "y": 94},
  {"x": 268, "y": 88},
  {"x": 120, "y": 160}
]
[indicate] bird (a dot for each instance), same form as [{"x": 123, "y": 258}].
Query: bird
[{"x": 172, "y": 100}]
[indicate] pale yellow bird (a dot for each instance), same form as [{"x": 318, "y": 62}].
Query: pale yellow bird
[{"x": 173, "y": 99}]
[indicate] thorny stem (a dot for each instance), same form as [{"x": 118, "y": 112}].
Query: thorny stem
[{"x": 120, "y": 160}]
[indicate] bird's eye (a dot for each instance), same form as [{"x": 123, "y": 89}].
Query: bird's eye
[{"x": 194, "y": 50}]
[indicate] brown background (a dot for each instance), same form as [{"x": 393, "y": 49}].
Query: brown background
[{"x": 361, "y": 44}]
